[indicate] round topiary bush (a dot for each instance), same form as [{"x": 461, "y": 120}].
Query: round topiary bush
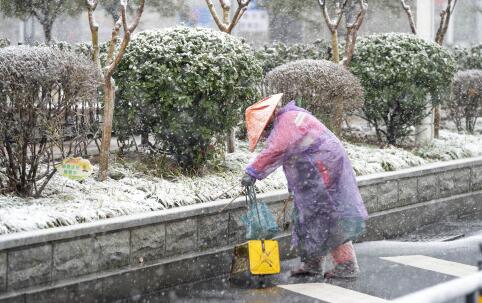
[
  {"x": 47, "y": 97},
  {"x": 280, "y": 53},
  {"x": 465, "y": 103},
  {"x": 399, "y": 72},
  {"x": 318, "y": 86},
  {"x": 185, "y": 86}
]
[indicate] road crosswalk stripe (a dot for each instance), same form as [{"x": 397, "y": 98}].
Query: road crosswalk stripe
[
  {"x": 331, "y": 293},
  {"x": 434, "y": 264}
]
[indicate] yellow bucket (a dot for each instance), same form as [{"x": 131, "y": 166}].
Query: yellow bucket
[{"x": 260, "y": 257}]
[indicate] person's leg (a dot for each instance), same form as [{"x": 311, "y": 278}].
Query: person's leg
[
  {"x": 346, "y": 265},
  {"x": 308, "y": 266}
]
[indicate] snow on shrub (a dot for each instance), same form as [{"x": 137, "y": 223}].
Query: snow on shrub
[
  {"x": 451, "y": 146},
  {"x": 317, "y": 85},
  {"x": 185, "y": 86},
  {"x": 4, "y": 42},
  {"x": 468, "y": 57},
  {"x": 46, "y": 97},
  {"x": 399, "y": 72},
  {"x": 279, "y": 53},
  {"x": 465, "y": 103}
]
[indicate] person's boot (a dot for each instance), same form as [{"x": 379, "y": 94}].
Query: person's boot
[
  {"x": 347, "y": 270},
  {"x": 346, "y": 264},
  {"x": 308, "y": 268}
]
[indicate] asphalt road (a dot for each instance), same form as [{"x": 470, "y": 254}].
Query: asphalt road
[{"x": 389, "y": 269}]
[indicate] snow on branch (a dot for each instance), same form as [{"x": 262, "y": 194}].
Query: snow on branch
[
  {"x": 444, "y": 21},
  {"x": 225, "y": 25},
  {"x": 351, "y": 32},
  {"x": 332, "y": 23},
  {"x": 409, "y": 12}
]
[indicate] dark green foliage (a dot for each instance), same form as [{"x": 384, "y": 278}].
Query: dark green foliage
[
  {"x": 399, "y": 73},
  {"x": 185, "y": 86},
  {"x": 468, "y": 58}
]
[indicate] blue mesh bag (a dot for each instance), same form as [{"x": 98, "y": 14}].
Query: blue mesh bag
[{"x": 258, "y": 220}]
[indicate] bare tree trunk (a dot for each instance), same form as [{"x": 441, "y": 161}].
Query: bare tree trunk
[
  {"x": 227, "y": 26},
  {"x": 338, "y": 118},
  {"x": 107, "y": 128},
  {"x": 436, "y": 121},
  {"x": 353, "y": 24},
  {"x": 112, "y": 62},
  {"x": 47, "y": 28},
  {"x": 334, "y": 46},
  {"x": 231, "y": 141},
  {"x": 439, "y": 39}
]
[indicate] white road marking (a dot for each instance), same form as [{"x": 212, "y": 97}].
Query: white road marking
[
  {"x": 331, "y": 293},
  {"x": 434, "y": 264}
]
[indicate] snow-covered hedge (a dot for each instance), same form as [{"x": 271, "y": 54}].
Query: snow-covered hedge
[
  {"x": 185, "y": 86},
  {"x": 318, "y": 86},
  {"x": 279, "y": 53},
  {"x": 46, "y": 96},
  {"x": 465, "y": 103},
  {"x": 68, "y": 202},
  {"x": 399, "y": 72},
  {"x": 468, "y": 57}
]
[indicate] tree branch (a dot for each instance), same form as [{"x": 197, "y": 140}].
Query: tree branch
[
  {"x": 113, "y": 40},
  {"x": 226, "y": 6},
  {"x": 213, "y": 12},
  {"x": 340, "y": 13},
  {"x": 94, "y": 30},
  {"x": 411, "y": 21},
  {"x": 125, "y": 41},
  {"x": 332, "y": 24},
  {"x": 444, "y": 21},
  {"x": 242, "y": 7},
  {"x": 352, "y": 30},
  {"x": 137, "y": 18}
]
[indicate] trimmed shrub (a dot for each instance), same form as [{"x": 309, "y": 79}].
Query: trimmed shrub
[
  {"x": 468, "y": 58},
  {"x": 185, "y": 86},
  {"x": 317, "y": 85},
  {"x": 399, "y": 73},
  {"x": 4, "y": 42},
  {"x": 279, "y": 53},
  {"x": 465, "y": 103},
  {"x": 46, "y": 97}
]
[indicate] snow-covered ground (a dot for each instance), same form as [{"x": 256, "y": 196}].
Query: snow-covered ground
[{"x": 68, "y": 202}]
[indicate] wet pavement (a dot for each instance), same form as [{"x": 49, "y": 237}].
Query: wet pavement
[{"x": 380, "y": 280}]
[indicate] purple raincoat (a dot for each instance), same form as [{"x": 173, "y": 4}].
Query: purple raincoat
[{"x": 328, "y": 208}]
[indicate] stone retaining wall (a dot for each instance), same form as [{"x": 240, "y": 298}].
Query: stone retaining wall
[{"x": 117, "y": 258}]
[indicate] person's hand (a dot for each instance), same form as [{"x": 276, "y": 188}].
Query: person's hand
[{"x": 247, "y": 180}]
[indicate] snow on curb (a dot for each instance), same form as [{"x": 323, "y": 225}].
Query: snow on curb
[{"x": 69, "y": 202}]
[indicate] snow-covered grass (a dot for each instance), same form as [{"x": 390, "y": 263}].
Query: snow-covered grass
[
  {"x": 451, "y": 146},
  {"x": 68, "y": 202}
]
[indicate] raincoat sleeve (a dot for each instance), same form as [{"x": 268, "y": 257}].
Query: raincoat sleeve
[{"x": 282, "y": 137}]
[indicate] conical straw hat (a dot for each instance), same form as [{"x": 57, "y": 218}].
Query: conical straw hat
[{"x": 258, "y": 116}]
